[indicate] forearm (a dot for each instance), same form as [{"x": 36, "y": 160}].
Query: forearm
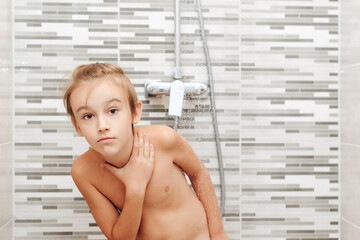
[
  {"x": 205, "y": 191},
  {"x": 128, "y": 223}
]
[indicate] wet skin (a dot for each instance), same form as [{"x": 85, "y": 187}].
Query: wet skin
[{"x": 122, "y": 171}]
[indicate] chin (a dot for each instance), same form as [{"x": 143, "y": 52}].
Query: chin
[{"x": 109, "y": 153}]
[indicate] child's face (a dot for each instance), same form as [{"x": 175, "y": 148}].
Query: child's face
[{"x": 103, "y": 116}]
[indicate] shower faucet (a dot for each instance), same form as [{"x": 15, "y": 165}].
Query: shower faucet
[
  {"x": 156, "y": 87},
  {"x": 176, "y": 89}
]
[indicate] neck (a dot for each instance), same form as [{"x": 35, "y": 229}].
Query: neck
[
  {"x": 121, "y": 158},
  {"x": 118, "y": 162}
]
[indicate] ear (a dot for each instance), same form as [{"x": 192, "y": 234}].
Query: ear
[
  {"x": 77, "y": 128},
  {"x": 136, "y": 117}
]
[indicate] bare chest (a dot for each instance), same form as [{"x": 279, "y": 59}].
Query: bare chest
[{"x": 159, "y": 192}]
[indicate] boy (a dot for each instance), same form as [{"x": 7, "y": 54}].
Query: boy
[{"x": 134, "y": 187}]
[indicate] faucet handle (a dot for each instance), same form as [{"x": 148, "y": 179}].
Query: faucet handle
[{"x": 176, "y": 98}]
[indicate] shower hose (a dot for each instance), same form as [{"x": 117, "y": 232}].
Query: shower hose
[{"x": 213, "y": 108}]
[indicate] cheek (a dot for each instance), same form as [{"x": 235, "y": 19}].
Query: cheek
[{"x": 78, "y": 130}]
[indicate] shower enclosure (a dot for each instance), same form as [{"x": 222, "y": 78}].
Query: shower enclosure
[{"x": 276, "y": 83}]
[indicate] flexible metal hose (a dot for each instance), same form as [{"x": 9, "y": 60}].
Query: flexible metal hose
[{"x": 212, "y": 102}]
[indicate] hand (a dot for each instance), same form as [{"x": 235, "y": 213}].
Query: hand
[
  {"x": 220, "y": 236},
  {"x": 137, "y": 173}
]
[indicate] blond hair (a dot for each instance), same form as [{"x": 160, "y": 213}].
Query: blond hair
[{"x": 89, "y": 72}]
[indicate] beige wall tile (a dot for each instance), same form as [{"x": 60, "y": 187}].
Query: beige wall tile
[
  {"x": 350, "y": 35},
  {"x": 5, "y": 72},
  {"x": 6, "y": 232},
  {"x": 350, "y": 105},
  {"x": 5, "y": 105},
  {"x": 349, "y": 231},
  {"x": 6, "y": 188},
  {"x": 350, "y": 182}
]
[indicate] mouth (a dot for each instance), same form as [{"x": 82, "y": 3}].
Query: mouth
[{"x": 105, "y": 140}]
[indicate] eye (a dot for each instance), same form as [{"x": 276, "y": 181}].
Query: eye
[
  {"x": 113, "y": 111},
  {"x": 87, "y": 116}
]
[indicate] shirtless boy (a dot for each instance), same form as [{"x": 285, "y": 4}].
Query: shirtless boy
[{"x": 132, "y": 177}]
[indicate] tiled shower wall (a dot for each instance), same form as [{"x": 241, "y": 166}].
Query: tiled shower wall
[
  {"x": 51, "y": 38},
  {"x": 6, "y": 133},
  {"x": 289, "y": 119},
  {"x": 275, "y": 66},
  {"x": 350, "y": 119}
]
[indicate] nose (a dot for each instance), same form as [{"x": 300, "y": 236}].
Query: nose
[{"x": 103, "y": 124}]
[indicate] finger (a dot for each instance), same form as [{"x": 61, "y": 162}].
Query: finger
[
  {"x": 152, "y": 153},
  {"x": 141, "y": 144},
  {"x": 146, "y": 147}
]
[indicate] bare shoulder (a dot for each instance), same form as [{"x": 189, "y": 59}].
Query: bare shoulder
[
  {"x": 83, "y": 166},
  {"x": 160, "y": 135}
]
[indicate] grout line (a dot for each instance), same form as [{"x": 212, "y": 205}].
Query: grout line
[
  {"x": 350, "y": 144},
  {"x": 349, "y": 66},
  {"x": 240, "y": 121},
  {"x": 352, "y": 224},
  {"x": 7, "y": 142},
  {"x": 3, "y": 226},
  {"x": 118, "y": 37},
  {"x": 340, "y": 70},
  {"x": 12, "y": 9}
]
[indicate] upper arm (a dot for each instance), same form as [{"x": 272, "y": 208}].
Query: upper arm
[
  {"x": 101, "y": 208},
  {"x": 183, "y": 154}
]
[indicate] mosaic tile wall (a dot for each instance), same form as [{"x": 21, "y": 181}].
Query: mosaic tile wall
[
  {"x": 51, "y": 38},
  {"x": 275, "y": 70},
  {"x": 289, "y": 120}
]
